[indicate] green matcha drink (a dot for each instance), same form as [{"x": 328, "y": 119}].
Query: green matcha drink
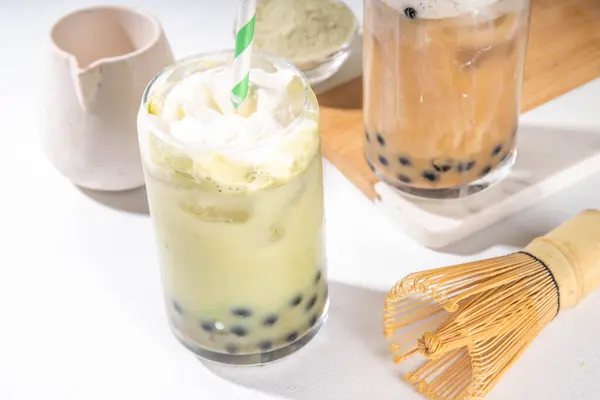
[{"x": 236, "y": 198}]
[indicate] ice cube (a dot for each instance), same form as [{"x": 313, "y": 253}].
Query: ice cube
[
  {"x": 276, "y": 81},
  {"x": 164, "y": 156},
  {"x": 179, "y": 162},
  {"x": 222, "y": 169},
  {"x": 262, "y": 179},
  {"x": 185, "y": 180},
  {"x": 296, "y": 95},
  {"x": 480, "y": 57},
  {"x": 214, "y": 213},
  {"x": 471, "y": 57}
]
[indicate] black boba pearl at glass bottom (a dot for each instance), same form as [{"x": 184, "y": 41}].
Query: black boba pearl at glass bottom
[
  {"x": 431, "y": 176},
  {"x": 239, "y": 331},
  {"x": 463, "y": 179},
  {"x": 497, "y": 150},
  {"x": 291, "y": 337},
  {"x": 380, "y": 139},
  {"x": 265, "y": 345},
  {"x": 318, "y": 277},
  {"x": 231, "y": 349},
  {"x": 383, "y": 160},
  {"x": 270, "y": 320},
  {"x": 177, "y": 307},
  {"x": 311, "y": 303},
  {"x": 466, "y": 166},
  {"x": 404, "y": 161},
  {"x": 207, "y": 326},
  {"x": 296, "y": 301},
  {"x": 403, "y": 178},
  {"x": 242, "y": 312},
  {"x": 261, "y": 338},
  {"x": 486, "y": 170},
  {"x": 442, "y": 166}
]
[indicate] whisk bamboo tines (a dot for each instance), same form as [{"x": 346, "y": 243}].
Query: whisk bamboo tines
[{"x": 472, "y": 321}]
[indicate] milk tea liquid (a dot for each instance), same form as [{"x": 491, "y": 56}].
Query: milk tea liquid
[{"x": 442, "y": 88}]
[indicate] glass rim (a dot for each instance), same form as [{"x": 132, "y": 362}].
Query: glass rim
[{"x": 224, "y": 56}]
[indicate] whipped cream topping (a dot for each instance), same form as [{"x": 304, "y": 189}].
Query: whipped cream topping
[
  {"x": 267, "y": 138},
  {"x": 209, "y": 118},
  {"x": 437, "y": 9}
]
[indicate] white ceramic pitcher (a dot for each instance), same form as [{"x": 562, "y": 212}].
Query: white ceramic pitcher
[{"x": 99, "y": 63}]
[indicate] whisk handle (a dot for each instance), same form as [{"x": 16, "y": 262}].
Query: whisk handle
[{"x": 572, "y": 254}]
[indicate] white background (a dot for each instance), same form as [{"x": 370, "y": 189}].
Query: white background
[{"x": 80, "y": 301}]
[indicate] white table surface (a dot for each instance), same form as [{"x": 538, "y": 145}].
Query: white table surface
[{"x": 80, "y": 300}]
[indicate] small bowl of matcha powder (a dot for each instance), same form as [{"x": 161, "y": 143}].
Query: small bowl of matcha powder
[{"x": 315, "y": 35}]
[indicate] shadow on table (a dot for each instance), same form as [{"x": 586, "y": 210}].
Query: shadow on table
[
  {"x": 131, "y": 201},
  {"x": 562, "y": 156},
  {"x": 347, "y": 360},
  {"x": 513, "y": 232}
]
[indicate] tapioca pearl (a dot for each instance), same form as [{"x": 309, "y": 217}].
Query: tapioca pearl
[
  {"x": 312, "y": 321},
  {"x": 265, "y": 345},
  {"x": 430, "y": 176},
  {"x": 177, "y": 307},
  {"x": 242, "y": 312},
  {"x": 380, "y": 140},
  {"x": 404, "y": 161},
  {"x": 239, "y": 331},
  {"x": 383, "y": 160},
  {"x": 485, "y": 171},
  {"x": 270, "y": 320},
  {"x": 442, "y": 166},
  {"x": 410, "y": 12},
  {"x": 232, "y": 349},
  {"x": 466, "y": 166},
  {"x": 207, "y": 326},
  {"x": 296, "y": 301},
  {"x": 403, "y": 178},
  {"x": 318, "y": 277},
  {"x": 311, "y": 303},
  {"x": 497, "y": 150},
  {"x": 291, "y": 337}
]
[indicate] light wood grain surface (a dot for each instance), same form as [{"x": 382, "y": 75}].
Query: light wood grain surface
[{"x": 563, "y": 53}]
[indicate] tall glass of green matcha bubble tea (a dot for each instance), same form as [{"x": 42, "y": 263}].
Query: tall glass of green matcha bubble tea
[{"x": 236, "y": 199}]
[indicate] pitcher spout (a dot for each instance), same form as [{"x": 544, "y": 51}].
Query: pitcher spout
[{"x": 86, "y": 82}]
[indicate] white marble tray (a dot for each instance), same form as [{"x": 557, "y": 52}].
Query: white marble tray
[{"x": 559, "y": 145}]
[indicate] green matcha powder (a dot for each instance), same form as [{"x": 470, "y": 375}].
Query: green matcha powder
[{"x": 303, "y": 31}]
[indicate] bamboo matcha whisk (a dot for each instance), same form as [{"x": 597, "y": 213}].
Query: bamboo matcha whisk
[{"x": 471, "y": 322}]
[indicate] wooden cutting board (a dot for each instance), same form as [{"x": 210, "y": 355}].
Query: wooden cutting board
[{"x": 563, "y": 53}]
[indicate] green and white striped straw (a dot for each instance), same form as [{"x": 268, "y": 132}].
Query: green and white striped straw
[{"x": 243, "y": 51}]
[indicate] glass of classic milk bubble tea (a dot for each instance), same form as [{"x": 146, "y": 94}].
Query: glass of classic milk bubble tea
[
  {"x": 442, "y": 91},
  {"x": 236, "y": 198}
]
